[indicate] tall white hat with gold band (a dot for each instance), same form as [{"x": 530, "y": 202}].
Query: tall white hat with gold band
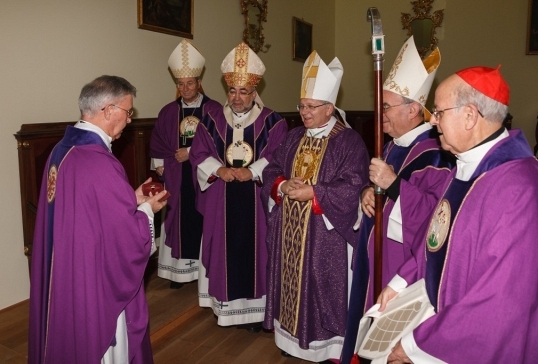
[
  {"x": 242, "y": 67},
  {"x": 411, "y": 76},
  {"x": 186, "y": 61},
  {"x": 321, "y": 81}
]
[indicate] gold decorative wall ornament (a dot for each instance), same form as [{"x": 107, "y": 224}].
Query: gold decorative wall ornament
[
  {"x": 255, "y": 13},
  {"x": 422, "y": 25}
]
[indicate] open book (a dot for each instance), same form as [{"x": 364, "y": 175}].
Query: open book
[{"x": 379, "y": 332}]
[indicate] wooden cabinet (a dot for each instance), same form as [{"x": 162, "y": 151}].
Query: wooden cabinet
[{"x": 35, "y": 142}]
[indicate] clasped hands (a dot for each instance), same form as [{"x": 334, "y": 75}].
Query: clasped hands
[
  {"x": 182, "y": 154},
  {"x": 297, "y": 190},
  {"x": 234, "y": 174},
  {"x": 382, "y": 175}
]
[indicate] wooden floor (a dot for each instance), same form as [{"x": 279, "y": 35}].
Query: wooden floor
[{"x": 181, "y": 331}]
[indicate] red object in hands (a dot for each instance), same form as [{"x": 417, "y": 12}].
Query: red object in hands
[{"x": 154, "y": 188}]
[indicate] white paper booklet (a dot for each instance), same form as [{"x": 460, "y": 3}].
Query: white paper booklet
[{"x": 406, "y": 311}]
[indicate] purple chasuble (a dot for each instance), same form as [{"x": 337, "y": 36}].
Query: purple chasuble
[
  {"x": 91, "y": 247},
  {"x": 212, "y": 139},
  {"x": 488, "y": 289},
  {"x": 422, "y": 167},
  {"x": 165, "y": 140},
  {"x": 323, "y": 299}
]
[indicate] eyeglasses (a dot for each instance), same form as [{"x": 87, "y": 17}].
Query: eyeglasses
[
  {"x": 387, "y": 106},
  {"x": 232, "y": 92},
  {"x": 309, "y": 107},
  {"x": 129, "y": 112},
  {"x": 438, "y": 114}
]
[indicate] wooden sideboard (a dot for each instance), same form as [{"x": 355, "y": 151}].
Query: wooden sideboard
[{"x": 35, "y": 142}]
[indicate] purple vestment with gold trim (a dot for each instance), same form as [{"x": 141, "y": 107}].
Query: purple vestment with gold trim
[{"x": 324, "y": 290}]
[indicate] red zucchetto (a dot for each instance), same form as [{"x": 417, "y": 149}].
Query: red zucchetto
[{"x": 488, "y": 81}]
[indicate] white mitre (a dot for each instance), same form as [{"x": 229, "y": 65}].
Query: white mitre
[
  {"x": 242, "y": 67},
  {"x": 321, "y": 81},
  {"x": 186, "y": 61},
  {"x": 412, "y": 77}
]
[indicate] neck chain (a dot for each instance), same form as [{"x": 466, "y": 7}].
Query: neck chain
[
  {"x": 316, "y": 134},
  {"x": 319, "y": 132},
  {"x": 183, "y": 104}
]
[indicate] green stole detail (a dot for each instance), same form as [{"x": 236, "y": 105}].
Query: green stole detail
[{"x": 295, "y": 220}]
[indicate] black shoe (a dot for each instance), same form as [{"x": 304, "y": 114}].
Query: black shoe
[
  {"x": 175, "y": 285},
  {"x": 283, "y": 353},
  {"x": 254, "y": 329}
]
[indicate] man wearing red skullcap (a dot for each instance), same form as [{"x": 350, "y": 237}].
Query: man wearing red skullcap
[{"x": 480, "y": 251}]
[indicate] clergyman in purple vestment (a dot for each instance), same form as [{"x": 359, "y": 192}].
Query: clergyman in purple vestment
[
  {"x": 171, "y": 139},
  {"x": 479, "y": 248},
  {"x": 409, "y": 160},
  {"x": 312, "y": 191},
  {"x": 93, "y": 239},
  {"x": 233, "y": 144}
]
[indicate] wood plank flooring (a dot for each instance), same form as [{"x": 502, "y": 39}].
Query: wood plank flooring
[{"x": 181, "y": 331}]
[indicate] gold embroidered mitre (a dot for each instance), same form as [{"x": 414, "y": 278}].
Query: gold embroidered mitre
[
  {"x": 186, "y": 61},
  {"x": 242, "y": 67},
  {"x": 412, "y": 77}
]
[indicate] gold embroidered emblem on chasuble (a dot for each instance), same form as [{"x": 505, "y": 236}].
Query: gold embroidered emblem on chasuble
[
  {"x": 187, "y": 127},
  {"x": 51, "y": 183},
  {"x": 439, "y": 225},
  {"x": 240, "y": 149}
]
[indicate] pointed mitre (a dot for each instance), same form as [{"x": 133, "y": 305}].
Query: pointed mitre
[
  {"x": 242, "y": 67},
  {"x": 411, "y": 76},
  {"x": 321, "y": 81},
  {"x": 186, "y": 61}
]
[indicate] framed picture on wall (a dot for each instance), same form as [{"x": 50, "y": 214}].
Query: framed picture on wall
[
  {"x": 302, "y": 39},
  {"x": 170, "y": 17},
  {"x": 532, "y": 28}
]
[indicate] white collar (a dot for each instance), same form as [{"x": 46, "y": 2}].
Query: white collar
[
  {"x": 408, "y": 138},
  {"x": 86, "y": 125},
  {"x": 322, "y": 131},
  {"x": 468, "y": 161},
  {"x": 195, "y": 103}
]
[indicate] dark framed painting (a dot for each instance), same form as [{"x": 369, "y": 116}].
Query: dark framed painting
[
  {"x": 532, "y": 28},
  {"x": 173, "y": 17},
  {"x": 302, "y": 39}
]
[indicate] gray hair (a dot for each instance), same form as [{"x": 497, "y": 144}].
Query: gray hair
[
  {"x": 102, "y": 91},
  {"x": 490, "y": 109},
  {"x": 407, "y": 100}
]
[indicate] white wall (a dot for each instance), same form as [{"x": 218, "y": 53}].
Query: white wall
[{"x": 50, "y": 48}]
